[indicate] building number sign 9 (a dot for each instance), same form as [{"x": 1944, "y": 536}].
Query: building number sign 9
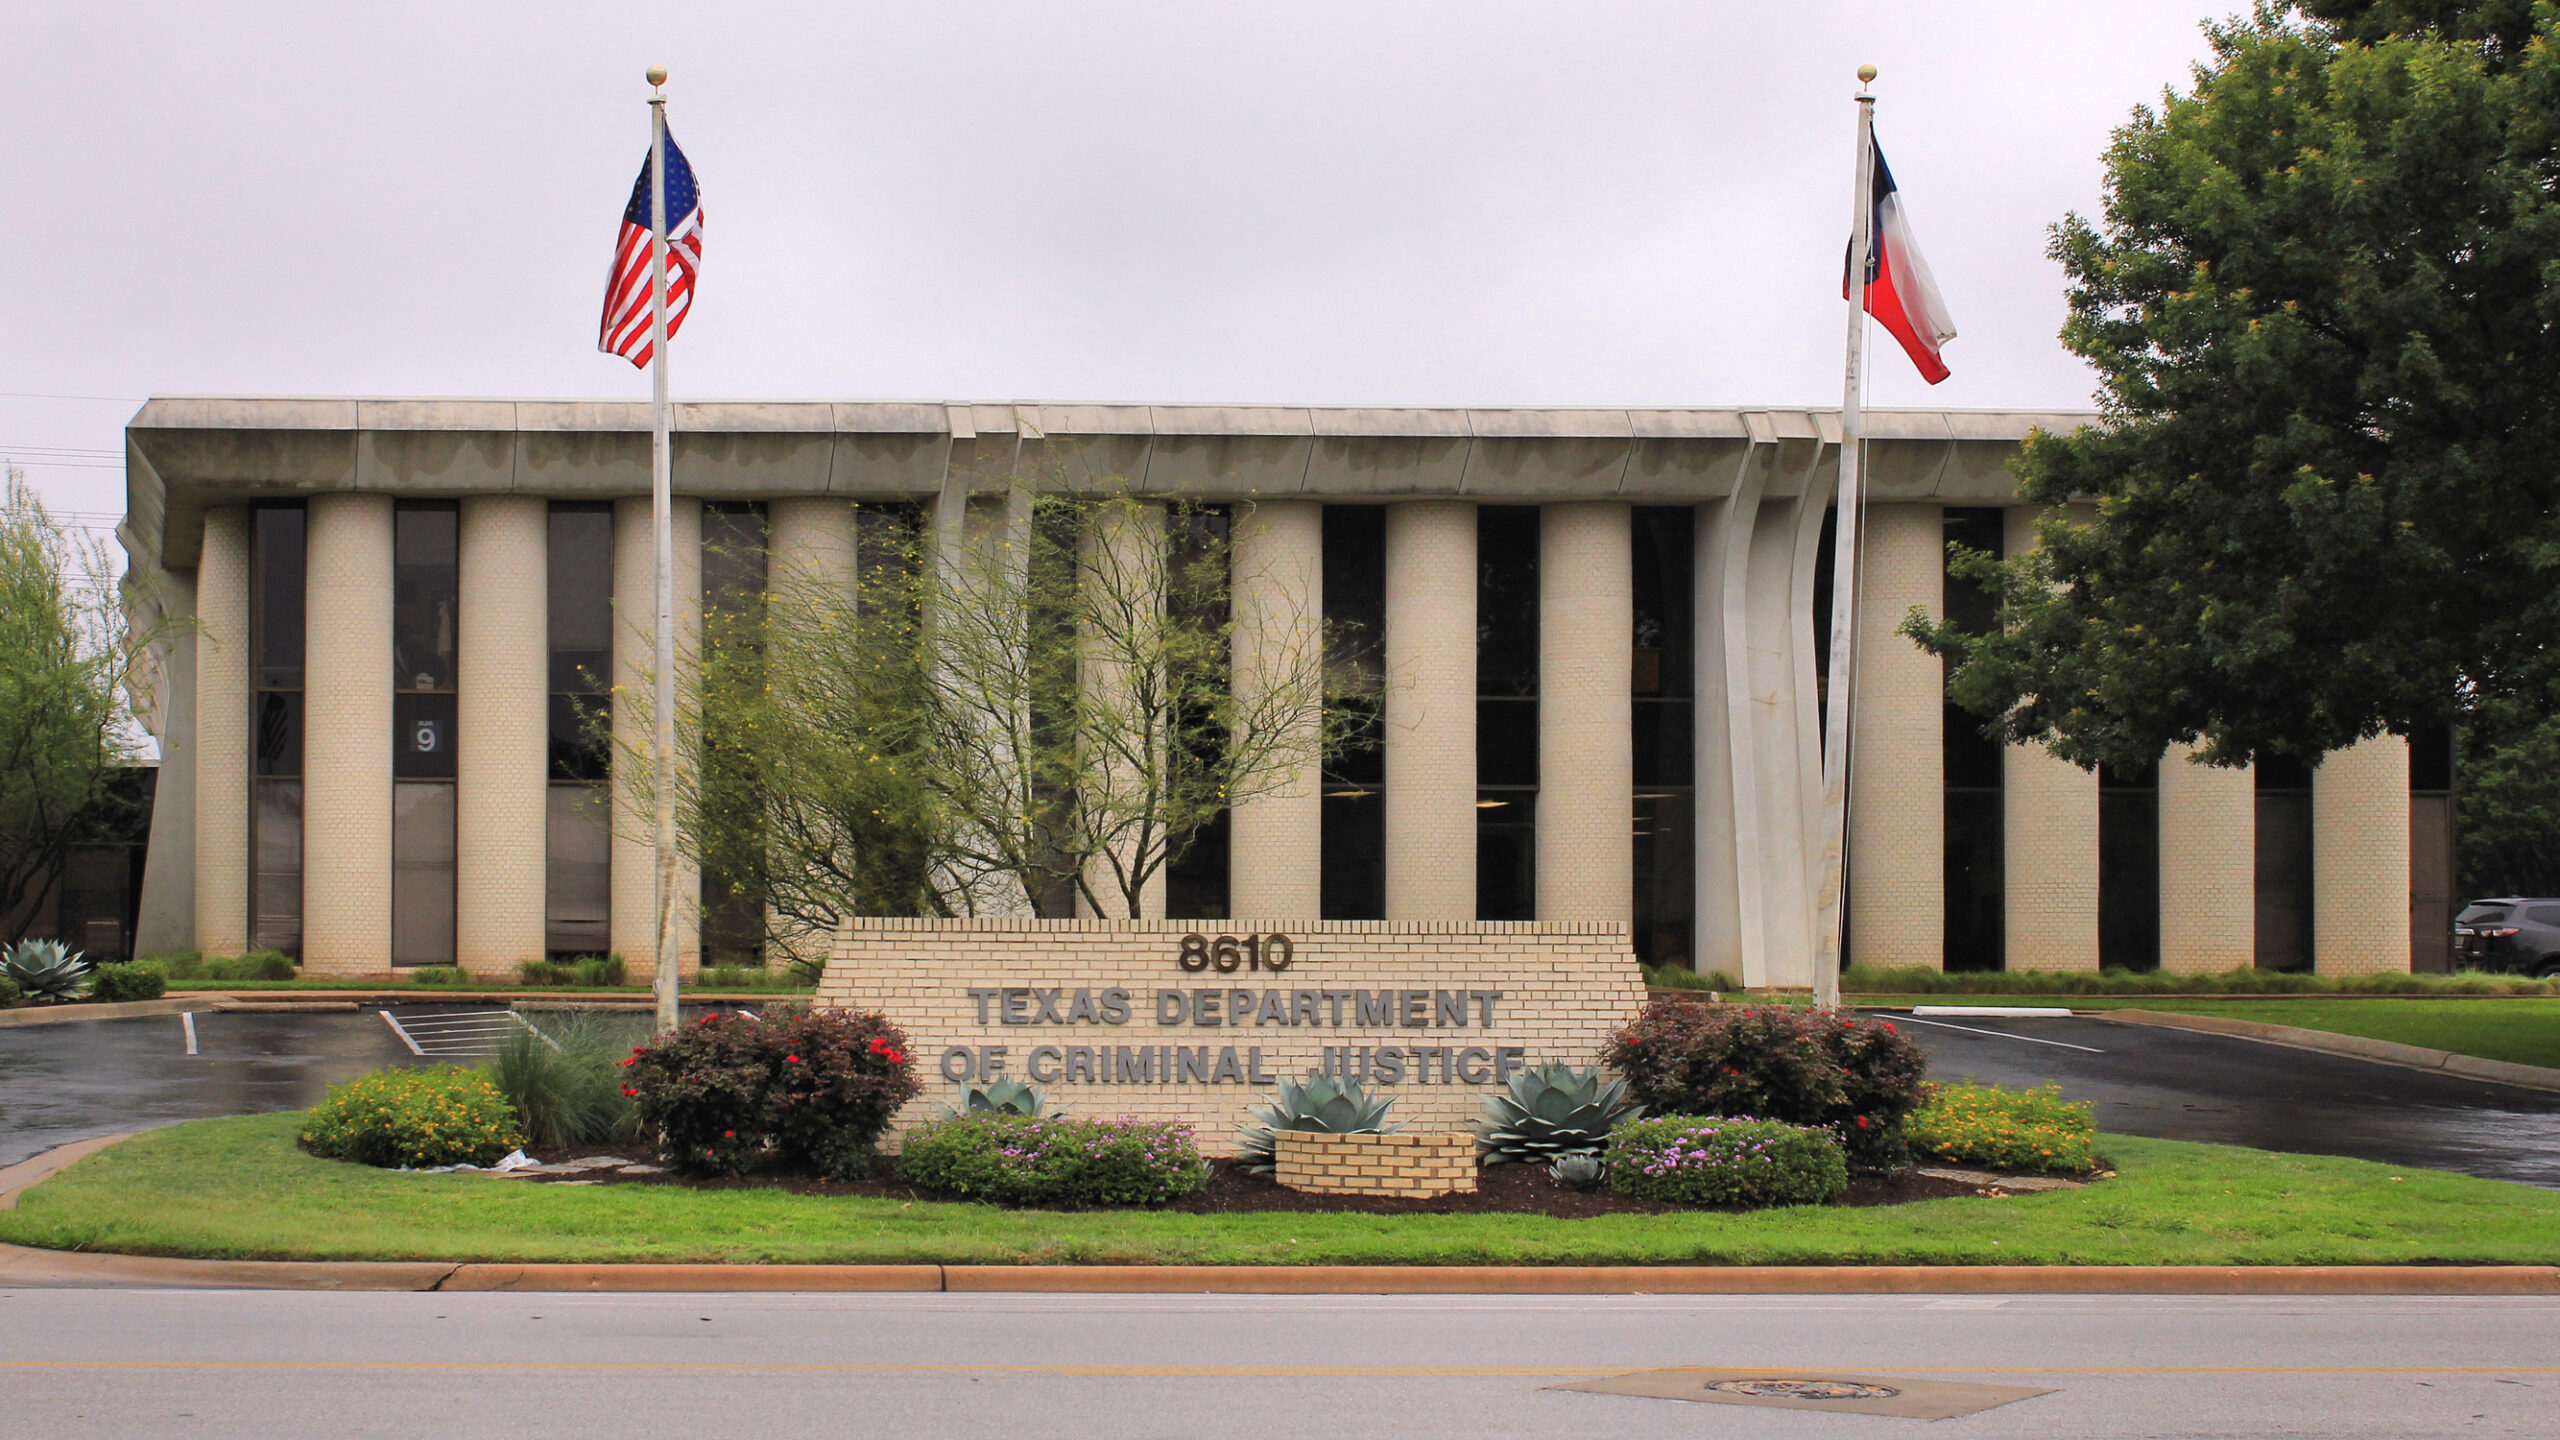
[{"x": 1228, "y": 953}]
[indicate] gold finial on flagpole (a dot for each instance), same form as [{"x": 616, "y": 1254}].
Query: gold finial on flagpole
[
  {"x": 1866, "y": 74},
  {"x": 658, "y": 75}
]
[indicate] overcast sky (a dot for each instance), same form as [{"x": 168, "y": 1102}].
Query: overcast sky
[{"x": 1393, "y": 203}]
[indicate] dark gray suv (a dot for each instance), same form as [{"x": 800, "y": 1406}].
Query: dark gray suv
[{"x": 2517, "y": 934}]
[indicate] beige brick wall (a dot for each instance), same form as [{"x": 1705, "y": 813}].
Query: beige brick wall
[
  {"x": 503, "y": 733},
  {"x": 635, "y": 881},
  {"x": 1409, "y": 1164},
  {"x": 2208, "y": 865},
  {"x": 1276, "y": 847},
  {"x": 1586, "y": 746},
  {"x": 809, "y": 540},
  {"x": 1564, "y": 986},
  {"x": 1124, "y": 562},
  {"x": 346, "y": 808},
  {"x": 2049, "y": 822},
  {"x": 222, "y": 734},
  {"x": 2360, "y": 858},
  {"x": 1431, "y": 711},
  {"x": 1897, "y": 815}
]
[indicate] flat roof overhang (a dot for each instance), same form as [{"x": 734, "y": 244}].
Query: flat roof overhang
[{"x": 186, "y": 453}]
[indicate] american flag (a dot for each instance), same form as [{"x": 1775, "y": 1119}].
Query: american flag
[{"x": 626, "y": 291}]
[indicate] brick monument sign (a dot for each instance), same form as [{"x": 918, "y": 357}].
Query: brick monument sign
[{"x": 1193, "y": 1020}]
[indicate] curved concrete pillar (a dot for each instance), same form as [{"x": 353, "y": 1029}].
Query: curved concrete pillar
[
  {"x": 635, "y": 877},
  {"x": 2049, "y": 838},
  {"x": 2208, "y": 865},
  {"x": 346, "y": 807},
  {"x": 1275, "y": 866},
  {"x": 1728, "y": 820},
  {"x": 1586, "y": 719},
  {"x": 2360, "y": 858},
  {"x": 220, "y": 744},
  {"x": 1431, "y": 710},
  {"x": 809, "y": 541},
  {"x": 503, "y": 739},
  {"x": 1897, "y": 781}
]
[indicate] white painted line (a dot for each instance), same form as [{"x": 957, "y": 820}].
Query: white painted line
[
  {"x": 187, "y": 1021},
  {"x": 1995, "y": 1012},
  {"x": 2005, "y": 1035},
  {"x": 394, "y": 1023}
]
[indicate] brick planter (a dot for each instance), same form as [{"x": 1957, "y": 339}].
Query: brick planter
[{"x": 1413, "y": 1164}]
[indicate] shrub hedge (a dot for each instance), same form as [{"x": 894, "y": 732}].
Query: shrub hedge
[
  {"x": 1054, "y": 1161},
  {"x": 2006, "y": 1129},
  {"x": 414, "y": 1118},
  {"x": 796, "y": 1091},
  {"x": 130, "y": 980},
  {"x": 1857, "y": 1078},
  {"x": 1725, "y": 1160}
]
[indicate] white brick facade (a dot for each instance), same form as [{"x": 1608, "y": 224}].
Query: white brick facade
[
  {"x": 1897, "y": 810},
  {"x": 1431, "y": 711},
  {"x": 502, "y": 728},
  {"x": 635, "y": 879},
  {"x": 2050, "y": 825},
  {"x": 1455, "y": 1003},
  {"x": 2360, "y": 858},
  {"x": 2208, "y": 866},
  {"x": 1276, "y": 864},
  {"x": 346, "y": 764},
  {"x": 1586, "y": 654}
]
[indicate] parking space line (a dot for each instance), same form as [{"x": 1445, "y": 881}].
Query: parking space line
[
  {"x": 394, "y": 1023},
  {"x": 187, "y": 1022},
  {"x": 2004, "y": 1035}
]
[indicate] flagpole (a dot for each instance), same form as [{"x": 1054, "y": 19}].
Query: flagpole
[
  {"x": 1848, "y": 525},
  {"x": 662, "y": 515}
]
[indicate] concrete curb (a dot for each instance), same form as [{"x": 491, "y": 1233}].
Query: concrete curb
[
  {"x": 25, "y": 1266},
  {"x": 121, "y": 1010},
  {"x": 2387, "y": 1052}
]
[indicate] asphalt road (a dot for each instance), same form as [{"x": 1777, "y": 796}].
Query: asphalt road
[
  {"x": 2181, "y": 1085},
  {"x": 60, "y": 1083},
  {"x": 147, "y": 1364}
]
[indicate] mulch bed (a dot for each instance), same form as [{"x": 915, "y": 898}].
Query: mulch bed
[{"x": 1500, "y": 1190}]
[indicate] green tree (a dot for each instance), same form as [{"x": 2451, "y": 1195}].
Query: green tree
[
  {"x": 2321, "y": 301},
  {"x": 66, "y": 671}
]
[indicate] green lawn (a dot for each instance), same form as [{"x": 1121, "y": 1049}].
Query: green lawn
[
  {"x": 2523, "y": 1029},
  {"x": 238, "y": 1188}
]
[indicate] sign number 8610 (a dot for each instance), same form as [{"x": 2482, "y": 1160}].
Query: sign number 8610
[{"x": 1229, "y": 953}]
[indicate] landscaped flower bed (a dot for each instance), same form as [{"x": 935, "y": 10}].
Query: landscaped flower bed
[{"x": 2004, "y": 1129}]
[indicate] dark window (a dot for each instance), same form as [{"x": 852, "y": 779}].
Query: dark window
[
  {"x": 1664, "y": 556},
  {"x": 2284, "y": 863},
  {"x": 733, "y": 585},
  {"x": 2543, "y": 914},
  {"x": 1354, "y": 803},
  {"x": 2482, "y": 914},
  {"x": 1507, "y": 712},
  {"x": 578, "y": 863},
  {"x": 1975, "y": 825},
  {"x": 275, "y": 726},
  {"x": 2434, "y": 885},
  {"x": 426, "y": 596},
  {"x": 2129, "y": 868},
  {"x": 1195, "y": 877}
]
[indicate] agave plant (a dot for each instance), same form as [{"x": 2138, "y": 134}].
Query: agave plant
[
  {"x": 47, "y": 969},
  {"x": 1550, "y": 1111},
  {"x": 1581, "y": 1170},
  {"x": 1001, "y": 1097},
  {"x": 1322, "y": 1105}
]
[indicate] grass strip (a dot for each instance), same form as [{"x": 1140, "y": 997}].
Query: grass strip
[
  {"x": 239, "y": 1189},
  {"x": 2521, "y": 1029}
]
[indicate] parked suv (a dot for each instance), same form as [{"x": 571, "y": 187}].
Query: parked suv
[{"x": 2516, "y": 934}]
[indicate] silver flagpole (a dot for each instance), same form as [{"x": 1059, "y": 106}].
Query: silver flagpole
[
  {"x": 662, "y": 516},
  {"x": 1848, "y": 526}
]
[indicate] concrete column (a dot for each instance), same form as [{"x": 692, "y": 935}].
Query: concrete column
[
  {"x": 346, "y": 805},
  {"x": 220, "y": 744},
  {"x": 503, "y": 725},
  {"x": 1431, "y": 710},
  {"x": 1897, "y": 785},
  {"x": 2208, "y": 865},
  {"x": 165, "y": 920},
  {"x": 1123, "y": 563},
  {"x": 809, "y": 541},
  {"x": 1586, "y": 721},
  {"x": 1275, "y": 864},
  {"x": 2049, "y": 820},
  {"x": 2360, "y": 858},
  {"x": 635, "y": 876}
]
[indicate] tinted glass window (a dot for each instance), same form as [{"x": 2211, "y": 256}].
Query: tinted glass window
[
  {"x": 2543, "y": 914},
  {"x": 2481, "y": 915}
]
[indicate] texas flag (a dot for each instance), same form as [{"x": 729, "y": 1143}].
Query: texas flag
[{"x": 1900, "y": 291}]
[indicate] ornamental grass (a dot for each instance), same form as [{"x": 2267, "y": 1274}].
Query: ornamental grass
[{"x": 2005, "y": 1129}]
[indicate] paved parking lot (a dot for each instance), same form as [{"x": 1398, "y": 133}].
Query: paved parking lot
[{"x": 64, "y": 1082}]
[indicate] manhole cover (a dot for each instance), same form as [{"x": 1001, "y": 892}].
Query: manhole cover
[{"x": 1804, "y": 1389}]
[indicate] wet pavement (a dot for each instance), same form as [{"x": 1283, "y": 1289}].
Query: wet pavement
[
  {"x": 60, "y": 1083},
  {"x": 2181, "y": 1085}
]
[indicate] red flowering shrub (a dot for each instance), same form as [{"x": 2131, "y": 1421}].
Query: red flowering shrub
[
  {"x": 1858, "y": 1078},
  {"x": 801, "y": 1092}
]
